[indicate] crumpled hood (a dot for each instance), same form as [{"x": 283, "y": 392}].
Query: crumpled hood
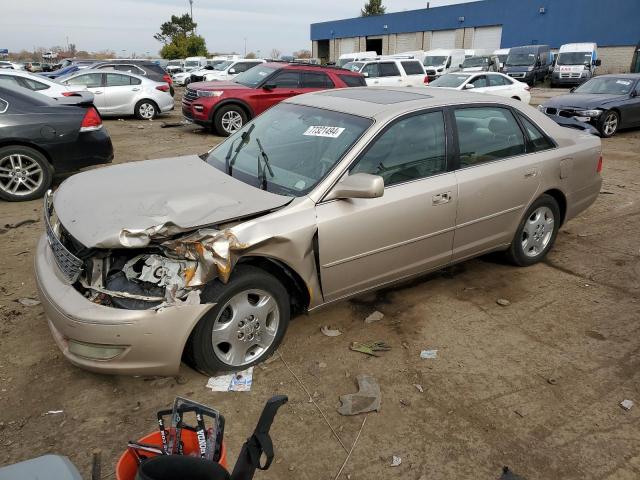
[
  {"x": 181, "y": 193},
  {"x": 582, "y": 100}
]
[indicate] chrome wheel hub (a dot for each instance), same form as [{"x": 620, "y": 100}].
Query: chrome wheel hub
[
  {"x": 20, "y": 174},
  {"x": 231, "y": 121},
  {"x": 537, "y": 232},
  {"x": 147, "y": 110},
  {"x": 611, "y": 124},
  {"x": 245, "y": 327}
]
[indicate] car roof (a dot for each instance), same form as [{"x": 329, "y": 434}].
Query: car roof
[
  {"x": 387, "y": 102},
  {"x": 633, "y": 76},
  {"x": 311, "y": 67},
  {"x": 82, "y": 71}
]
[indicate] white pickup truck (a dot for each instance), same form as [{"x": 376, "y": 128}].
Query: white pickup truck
[{"x": 391, "y": 72}]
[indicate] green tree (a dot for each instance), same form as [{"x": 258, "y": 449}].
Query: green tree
[
  {"x": 179, "y": 38},
  {"x": 373, "y": 7}
]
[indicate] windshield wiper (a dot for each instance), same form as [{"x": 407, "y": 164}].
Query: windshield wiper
[
  {"x": 262, "y": 172},
  {"x": 245, "y": 137}
]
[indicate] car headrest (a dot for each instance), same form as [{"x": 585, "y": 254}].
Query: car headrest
[
  {"x": 499, "y": 126},
  {"x": 466, "y": 126}
]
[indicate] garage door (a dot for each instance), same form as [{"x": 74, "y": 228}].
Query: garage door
[
  {"x": 487, "y": 37},
  {"x": 405, "y": 42},
  {"x": 347, "y": 45},
  {"x": 443, "y": 39}
]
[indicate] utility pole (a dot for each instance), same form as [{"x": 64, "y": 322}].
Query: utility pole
[
  {"x": 191, "y": 5},
  {"x": 245, "y": 47}
]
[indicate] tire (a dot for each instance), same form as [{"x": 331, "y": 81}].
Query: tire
[
  {"x": 239, "y": 344},
  {"x": 609, "y": 123},
  {"x": 146, "y": 110},
  {"x": 33, "y": 179},
  {"x": 186, "y": 82},
  {"x": 535, "y": 235},
  {"x": 229, "y": 119}
]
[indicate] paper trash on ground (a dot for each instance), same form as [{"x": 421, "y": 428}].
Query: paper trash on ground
[
  {"x": 428, "y": 354},
  {"x": 232, "y": 382}
]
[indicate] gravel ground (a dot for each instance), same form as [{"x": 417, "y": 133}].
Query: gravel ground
[{"x": 535, "y": 385}]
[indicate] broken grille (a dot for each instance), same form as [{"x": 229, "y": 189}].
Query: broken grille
[{"x": 68, "y": 263}]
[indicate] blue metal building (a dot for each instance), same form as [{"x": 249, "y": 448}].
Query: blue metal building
[{"x": 484, "y": 24}]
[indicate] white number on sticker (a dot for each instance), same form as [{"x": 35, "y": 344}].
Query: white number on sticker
[{"x": 323, "y": 131}]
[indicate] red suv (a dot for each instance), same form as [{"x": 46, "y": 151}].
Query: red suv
[{"x": 227, "y": 106}]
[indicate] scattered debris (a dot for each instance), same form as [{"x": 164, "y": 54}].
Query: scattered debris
[
  {"x": 520, "y": 413},
  {"x": 626, "y": 404},
  {"x": 54, "y": 412},
  {"x": 374, "y": 317},
  {"x": 370, "y": 348},
  {"x": 503, "y": 302},
  {"x": 405, "y": 403},
  {"x": 367, "y": 399},
  {"x": 173, "y": 124},
  {"x": 140, "y": 127},
  {"x": 395, "y": 461},
  {"x": 328, "y": 332},
  {"x": 552, "y": 381},
  {"x": 28, "y": 302},
  {"x": 428, "y": 354},
  {"x": 419, "y": 387},
  {"x": 232, "y": 382},
  {"x": 21, "y": 223},
  {"x": 509, "y": 475},
  {"x": 405, "y": 345},
  {"x": 364, "y": 420},
  {"x": 322, "y": 365}
]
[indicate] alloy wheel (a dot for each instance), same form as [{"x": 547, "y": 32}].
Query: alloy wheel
[
  {"x": 147, "y": 111},
  {"x": 231, "y": 121},
  {"x": 245, "y": 328},
  {"x": 20, "y": 174},
  {"x": 610, "y": 124},
  {"x": 537, "y": 231}
]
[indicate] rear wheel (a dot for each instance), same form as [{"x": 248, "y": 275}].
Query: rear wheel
[
  {"x": 609, "y": 123},
  {"x": 146, "y": 110},
  {"x": 229, "y": 119},
  {"x": 25, "y": 173},
  {"x": 245, "y": 326},
  {"x": 536, "y": 233}
]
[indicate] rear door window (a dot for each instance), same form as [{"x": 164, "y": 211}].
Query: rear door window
[
  {"x": 389, "y": 69},
  {"x": 480, "y": 81},
  {"x": 538, "y": 141},
  {"x": 353, "y": 80},
  {"x": 118, "y": 80},
  {"x": 89, "y": 80},
  {"x": 9, "y": 81},
  {"x": 413, "y": 68},
  {"x": 498, "y": 81},
  {"x": 486, "y": 134},
  {"x": 33, "y": 84},
  {"x": 316, "y": 80}
]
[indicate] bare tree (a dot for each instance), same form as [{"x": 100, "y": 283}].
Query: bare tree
[
  {"x": 302, "y": 54},
  {"x": 275, "y": 53}
]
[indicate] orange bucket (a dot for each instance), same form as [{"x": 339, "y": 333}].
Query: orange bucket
[{"x": 127, "y": 466}]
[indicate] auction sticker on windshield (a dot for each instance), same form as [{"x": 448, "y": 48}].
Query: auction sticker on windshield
[{"x": 323, "y": 131}]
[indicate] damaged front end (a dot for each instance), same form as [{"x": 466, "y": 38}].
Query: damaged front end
[{"x": 148, "y": 270}]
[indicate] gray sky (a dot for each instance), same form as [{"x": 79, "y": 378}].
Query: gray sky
[{"x": 130, "y": 24}]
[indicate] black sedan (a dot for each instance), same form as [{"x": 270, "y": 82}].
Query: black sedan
[
  {"x": 40, "y": 136},
  {"x": 608, "y": 102}
]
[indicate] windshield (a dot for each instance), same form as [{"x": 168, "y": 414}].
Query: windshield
[
  {"x": 222, "y": 65},
  {"x": 302, "y": 145},
  {"x": 475, "y": 62},
  {"x": 574, "y": 58},
  {"x": 192, "y": 63},
  {"x": 177, "y": 63},
  {"x": 502, "y": 58},
  {"x": 343, "y": 61},
  {"x": 434, "y": 61},
  {"x": 353, "y": 66},
  {"x": 521, "y": 59},
  {"x": 254, "y": 76},
  {"x": 606, "y": 86},
  {"x": 450, "y": 80}
]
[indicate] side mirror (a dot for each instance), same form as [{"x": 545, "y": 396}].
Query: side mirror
[
  {"x": 232, "y": 70},
  {"x": 633, "y": 94},
  {"x": 358, "y": 185},
  {"x": 469, "y": 86},
  {"x": 209, "y": 67},
  {"x": 460, "y": 66},
  {"x": 365, "y": 74},
  {"x": 598, "y": 62},
  {"x": 269, "y": 86}
]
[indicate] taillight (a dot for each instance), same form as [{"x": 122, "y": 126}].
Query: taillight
[
  {"x": 167, "y": 78},
  {"x": 91, "y": 121},
  {"x": 70, "y": 94},
  {"x": 599, "y": 168},
  {"x": 527, "y": 88},
  {"x": 163, "y": 88},
  {"x": 426, "y": 79}
]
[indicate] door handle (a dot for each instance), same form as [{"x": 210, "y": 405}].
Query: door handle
[
  {"x": 135, "y": 89},
  {"x": 531, "y": 173},
  {"x": 98, "y": 92},
  {"x": 441, "y": 198}
]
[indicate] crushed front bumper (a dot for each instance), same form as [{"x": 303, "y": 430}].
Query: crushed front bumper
[{"x": 151, "y": 341}]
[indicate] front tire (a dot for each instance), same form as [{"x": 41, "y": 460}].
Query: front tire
[
  {"x": 229, "y": 119},
  {"x": 25, "y": 173},
  {"x": 609, "y": 124},
  {"x": 245, "y": 326},
  {"x": 146, "y": 110},
  {"x": 536, "y": 233}
]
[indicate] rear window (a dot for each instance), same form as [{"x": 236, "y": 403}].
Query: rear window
[
  {"x": 389, "y": 69},
  {"x": 316, "y": 80},
  {"x": 353, "y": 80},
  {"x": 3, "y": 106},
  {"x": 413, "y": 68}
]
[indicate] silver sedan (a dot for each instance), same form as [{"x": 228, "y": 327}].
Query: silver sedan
[{"x": 123, "y": 93}]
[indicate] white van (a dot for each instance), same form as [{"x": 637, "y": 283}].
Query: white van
[
  {"x": 354, "y": 57},
  {"x": 476, "y": 52},
  {"x": 194, "y": 63},
  {"x": 575, "y": 64},
  {"x": 230, "y": 68},
  {"x": 502, "y": 54},
  {"x": 390, "y": 72},
  {"x": 442, "y": 60}
]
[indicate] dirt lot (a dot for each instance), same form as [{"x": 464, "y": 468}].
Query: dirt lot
[{"x": 534, "y": 385}]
